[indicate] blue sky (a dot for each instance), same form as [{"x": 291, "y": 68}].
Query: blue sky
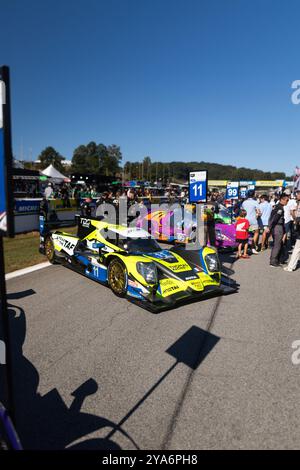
[{"x": 177, "y": 80}]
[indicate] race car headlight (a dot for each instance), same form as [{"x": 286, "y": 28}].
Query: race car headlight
[
  {"x": 148, "y": 271},
  {"x": 212, "y": 262}
]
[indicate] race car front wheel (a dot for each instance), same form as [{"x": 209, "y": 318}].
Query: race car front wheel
[
  {"x": 117, "y": 277},
  {"x": 49, "y": 250}
]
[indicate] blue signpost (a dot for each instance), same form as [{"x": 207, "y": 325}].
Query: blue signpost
[
  {"x": 198, "y": 186},
  {"x": 243, "y": 192},
  {"x": 6, "y": 194},
  {"x": 232, "y": 190},
  {"x": 6, "y": 229},
  {"x": 198, "y": 181},
  {"x": 232, "y": 193}
]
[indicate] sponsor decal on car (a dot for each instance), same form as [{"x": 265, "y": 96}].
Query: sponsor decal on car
[
  {"x": 85, "y": 222},
  {"x": 164, "y": 255},
  {"x": 67, "y": 244},
  {"x": 180, "y": 267},
  {"x": 196, "y": 284},
  {"x": 170, "y": 286}
]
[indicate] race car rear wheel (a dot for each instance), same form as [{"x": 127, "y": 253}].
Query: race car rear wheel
[
  {"x": 49, "y": 250},
  {"x": 117, "y": 277}
]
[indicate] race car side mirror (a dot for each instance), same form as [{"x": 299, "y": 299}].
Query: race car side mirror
[{"x": 100, "y": 246}]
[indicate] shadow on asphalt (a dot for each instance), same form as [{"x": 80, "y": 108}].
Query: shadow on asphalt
[
  {"x": 20, "y": 295},
  {"x": 190, "y": 349},
  {"x": 228, "y": 257},
  {"x": 47, "y": 423}
]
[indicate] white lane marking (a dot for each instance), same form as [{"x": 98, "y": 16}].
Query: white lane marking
[{"x": 31, "y": 269}]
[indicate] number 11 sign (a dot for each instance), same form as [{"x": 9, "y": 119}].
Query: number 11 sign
[{"x": 198, "y": 186}]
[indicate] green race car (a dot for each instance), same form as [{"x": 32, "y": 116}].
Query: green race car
[{"x": 133, "y": 265}]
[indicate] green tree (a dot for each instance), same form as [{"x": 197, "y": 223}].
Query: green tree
[
  {"x": 50, "y": 156},
  {"x": 87, "y": 159},
  {"x": 110, "y": 160},
  {"x": 93, "y": 158},
  {"x": 79, "y": 160}
]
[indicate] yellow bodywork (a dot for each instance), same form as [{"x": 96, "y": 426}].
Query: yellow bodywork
[{"x": 167, "y": 285}]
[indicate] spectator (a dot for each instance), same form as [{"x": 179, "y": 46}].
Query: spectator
[
  {"x": 76, "y": 196},
  {"x": 44, "y": 208},
  {"x": 251, "y": 206},
  {"x": 242, "y": 234},
  {"x": 209, "y": 227},
  {"x": 131, "y": 196},
  {"x": 265, "y": 210},
  {"x": 117, "y": 197},
  {"x": 86, "y": 209},
  {"x": 49, "y": 191},
  {"x": 296, "y": 251},
  {"x": 288, "y": 219},
  {"x": 276, "y": 227},
  {"x": 65, "y": 196},
  {"x": 94, "y": 192}
]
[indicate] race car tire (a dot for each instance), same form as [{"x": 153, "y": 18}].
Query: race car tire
[
  {"x": 117, "y": 277},
  {"x": 49, "y": 250}
]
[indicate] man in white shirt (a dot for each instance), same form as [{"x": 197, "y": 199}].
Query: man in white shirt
[
  {"x": 265, "y": 210},
  {"x": 289, "y": 210},
  {"x": 251, "y": 206},
  {"x": 48, "y": 191},
  {"x": 296, "y": 251}
]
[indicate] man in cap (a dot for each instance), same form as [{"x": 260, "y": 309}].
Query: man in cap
[
  {"x": 276, "y": 227},
  {"x": 289, "y": 220}
]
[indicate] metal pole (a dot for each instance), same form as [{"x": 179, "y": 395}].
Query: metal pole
[{"x": 6, "y": 337}]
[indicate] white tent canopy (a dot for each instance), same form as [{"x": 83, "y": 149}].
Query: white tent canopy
[{"x": 54, "y": 174}]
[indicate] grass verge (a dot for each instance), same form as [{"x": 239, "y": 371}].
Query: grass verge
[{"x": 23, "y": 250}]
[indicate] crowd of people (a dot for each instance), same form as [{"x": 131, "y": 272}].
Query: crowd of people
[
  {"x": 262, "y": 220},
  {"x": 26, "y": 188},
  {"x": 276, "y": 219}
]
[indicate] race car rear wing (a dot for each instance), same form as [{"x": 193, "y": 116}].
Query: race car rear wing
[{"x": 45, "y": 227}]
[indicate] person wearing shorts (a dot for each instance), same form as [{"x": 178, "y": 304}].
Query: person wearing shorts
[
  {"x": 242, "y": 234},
  {"x": 265, "y": 208},
  {"x": 251, "y": 206}
]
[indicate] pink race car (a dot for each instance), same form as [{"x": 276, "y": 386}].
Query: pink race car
[{"x": 168, "y": 226}]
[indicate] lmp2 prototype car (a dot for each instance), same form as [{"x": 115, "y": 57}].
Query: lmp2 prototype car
[{"x": 131, "y": 262}]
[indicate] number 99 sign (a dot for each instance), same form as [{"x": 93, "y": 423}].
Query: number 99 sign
[
  {"x": 198, "y": 186},
  {"x": 232, "y": 191}
]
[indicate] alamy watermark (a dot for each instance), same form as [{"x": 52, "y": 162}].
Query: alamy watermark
[
  {"x": 295, "y": 97},
  {"x": 165, "y": 222},
  {"x": 296, "y": 354}
]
